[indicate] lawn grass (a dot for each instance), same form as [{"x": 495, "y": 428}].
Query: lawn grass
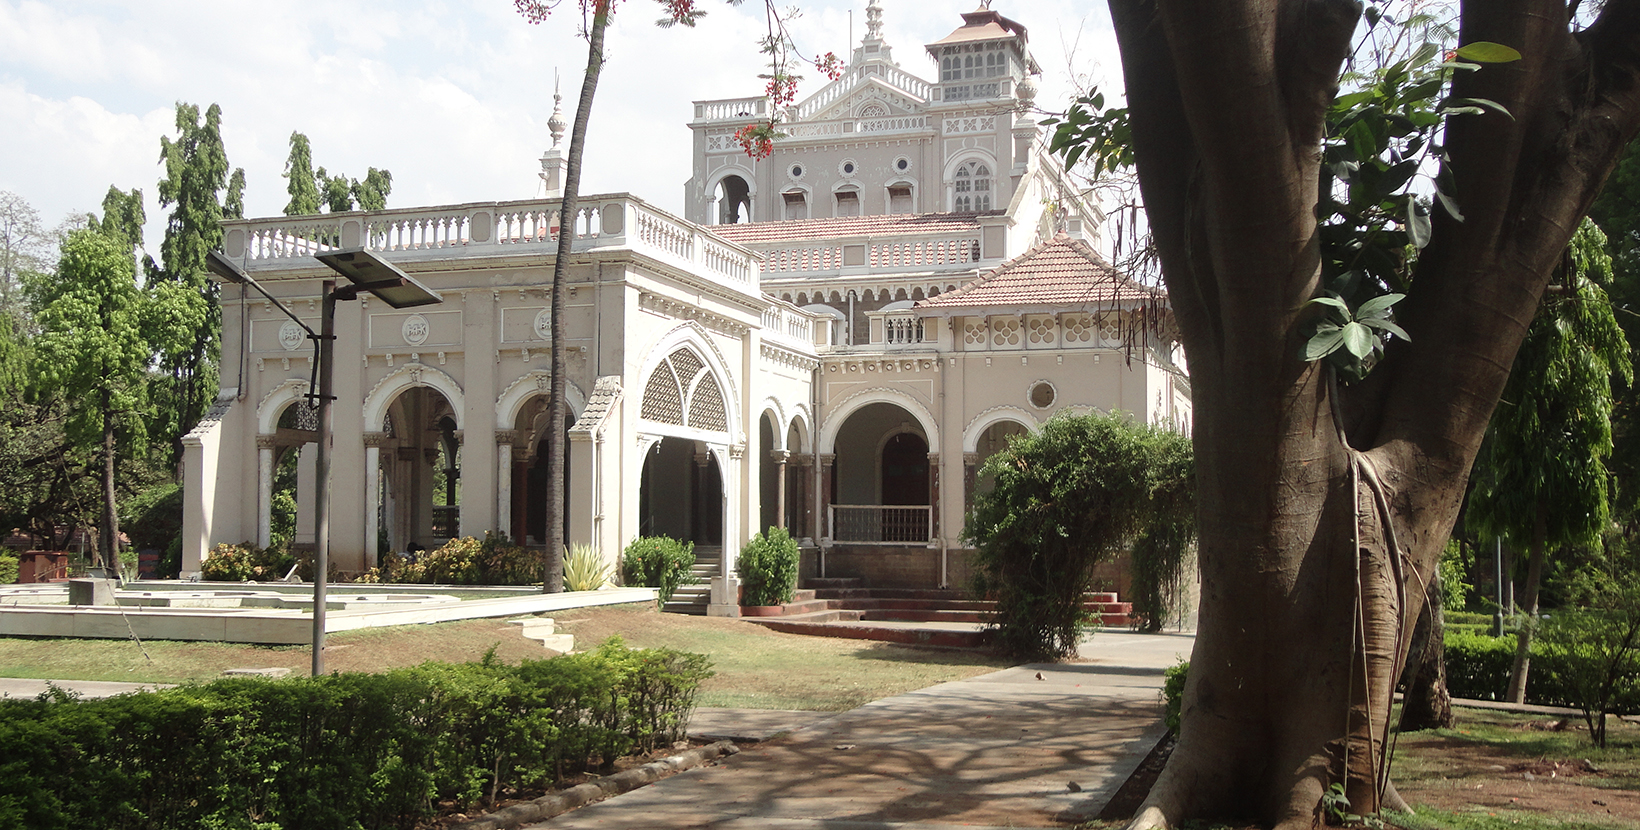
[
  {"x": 1529, "y": 737},
  {"x": 1480, "y": 818},
  {"x": 756, "y": 668}
]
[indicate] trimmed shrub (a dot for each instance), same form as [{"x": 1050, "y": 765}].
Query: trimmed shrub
[
  {"x": 657, "y": 562},
  {"x": 8, "y": 568},
  {"x": 1477, "y": 665},
  {"x": 339, "y": 751},
  {"x": 768, "y": 568}
]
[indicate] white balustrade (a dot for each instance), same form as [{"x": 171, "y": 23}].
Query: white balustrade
[
  {"x": 731, "y": 109},
  {"x": 902, "y": 330}
]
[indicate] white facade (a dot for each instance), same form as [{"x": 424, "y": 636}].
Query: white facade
[{"x": 725, "y": 375}]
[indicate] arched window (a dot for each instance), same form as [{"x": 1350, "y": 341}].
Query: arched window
[
  {"x": 972, "y": 190},
  {"x": 734, "y": 201}
]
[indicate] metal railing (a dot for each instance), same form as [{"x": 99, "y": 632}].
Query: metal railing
[
  {"x": 446, "y": 521},
  {"x": 882, "y": 524}
]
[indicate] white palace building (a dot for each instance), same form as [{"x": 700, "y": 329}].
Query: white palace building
[{"x": 832, "y": 339}]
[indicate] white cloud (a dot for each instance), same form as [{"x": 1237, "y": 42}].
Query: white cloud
[{"x": 453, "y": 98}]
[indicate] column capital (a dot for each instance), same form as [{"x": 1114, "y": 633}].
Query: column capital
[
  {"x": 828, "y": 458},
  {"x": 375, "y": 439},
  {"x": 266, "y": 442},
  {"x": 460, "y": 435},
  {"x": 506, "y": 436},
  {"x": 933, "y": 459},
  {"x": 406, "y": 453},
  {"x": 779, "y": 456},
  {"x": 430, "y": 453},
  {"x": 971, "y": 459}
]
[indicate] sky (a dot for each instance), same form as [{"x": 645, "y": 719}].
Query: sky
[{"x": 452, "y": 97}]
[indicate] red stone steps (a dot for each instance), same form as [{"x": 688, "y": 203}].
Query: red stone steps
[{"x": 820, "y": 608}]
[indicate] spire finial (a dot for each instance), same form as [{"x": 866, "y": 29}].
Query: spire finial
[
  {"x": 874, "y": 20},
  {"x": 556, "y": 123}
]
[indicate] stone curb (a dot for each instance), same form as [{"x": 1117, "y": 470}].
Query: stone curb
[{"x": 563, "y": 801}]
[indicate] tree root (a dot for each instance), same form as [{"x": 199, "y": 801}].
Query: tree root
[{"x": 1148, "y": 818}]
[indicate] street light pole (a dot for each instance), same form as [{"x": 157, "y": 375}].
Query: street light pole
[
  {"x": 321, "y": 512},
  {"x": 366, "y": 273}
]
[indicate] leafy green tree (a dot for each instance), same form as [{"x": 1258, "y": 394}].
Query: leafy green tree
[
  {"x": 314, "y": 190},
  {"x": 185, "y": 326},
  {"x": 300, "y": 182},
  {"x": 91, "y": 348},
  {"x": 1543, "y": 484},
  {"x": 1066, "y": 498}
]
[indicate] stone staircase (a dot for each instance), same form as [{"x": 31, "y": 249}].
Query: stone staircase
[
  {"x": 846, "y": 608},
  {"x": 692, "y": 597}
]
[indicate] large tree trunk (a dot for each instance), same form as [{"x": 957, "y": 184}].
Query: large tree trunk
[
  {"x": 558, "y": 407},
  {"x": 1308, "y": 525},
  {"x": 1427, "y": 704}
]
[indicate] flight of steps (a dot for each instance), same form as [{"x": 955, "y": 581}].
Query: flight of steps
[
  {"x": 693, "y": 596},
  {"x": 846, "y": 608}
]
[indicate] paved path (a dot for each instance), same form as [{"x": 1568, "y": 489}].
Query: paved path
[
  {"x": 15, "y": 687},
  {"x": 999, "y": 750}
]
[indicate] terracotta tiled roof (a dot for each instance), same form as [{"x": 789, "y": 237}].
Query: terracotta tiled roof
[
  {"x": 1060, "y": 272},
  {"x": 982, "y": 24},
  {"x": 750, "y": 233}
]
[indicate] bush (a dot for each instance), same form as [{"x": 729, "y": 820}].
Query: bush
[
  {"x": 768, "y": 568},
  {"x": 339, "y": 751},
  {"x": 584, "y": 569},
  {"x": 246, "y": 562},
  {"x": 462, "y": 561},
  {"x": 8, "y": 569},
  {"x": 657, "y": 562},
  {"x": 1173, "y": 693},
  {"x": 1478, "y": 665},
  {"x": 1066, "y": 498},
  {"x": 1591, "y": 655}
]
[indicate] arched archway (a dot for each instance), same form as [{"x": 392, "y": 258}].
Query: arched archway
[
  {"x": 734, "y": 200},
  {"x": 680, "y": 493},
  {"x": 417, "y": 480},
  {"x": 882, "y": 482}
]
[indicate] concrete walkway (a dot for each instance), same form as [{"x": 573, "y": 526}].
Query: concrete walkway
[
  {"x": 999, "y": 750},
  {"x": 19, "y": 688}
]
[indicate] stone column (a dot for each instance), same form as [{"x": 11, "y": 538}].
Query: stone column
[
  {"x": 404, "y": 497},
  {"x": 933, "y": 496},
  {"x": 828, "y": 470},
  {"x": 780, "y": 457},
  {"x": 697, "y": 481},
  {"x": 970, "y": 478},
  {"x": 372, "y": 495},
  {"x": 805, "y": 504},
  {"x": 504, "y": 439},
  {"x": 264, "y": 490}
]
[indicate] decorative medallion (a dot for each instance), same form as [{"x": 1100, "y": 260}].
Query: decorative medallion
[
  {"x": 291, "y": 336},
  {"x": 543, "y": 324},
  {"x": 416, "y": 330}
]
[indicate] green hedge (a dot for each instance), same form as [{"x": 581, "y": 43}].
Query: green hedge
[
  {"x": 341, "y": 751},
  {"x": 8, "y": 569},
  {"x": 1478, "y": 667}
]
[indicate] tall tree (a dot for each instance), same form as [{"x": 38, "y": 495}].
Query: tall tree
[
  {"x": 91, "y": 348},
  {"x": 186, "y": 331},
  {"x": 23, "y": 245},
  {"x": 1324, "y": 504},
  {"x": 314, "y": 190},
  {"x": 1543, "y": 483},
  {"x": 300, "y": 181},
  {"x": 782, "y": 88}
]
